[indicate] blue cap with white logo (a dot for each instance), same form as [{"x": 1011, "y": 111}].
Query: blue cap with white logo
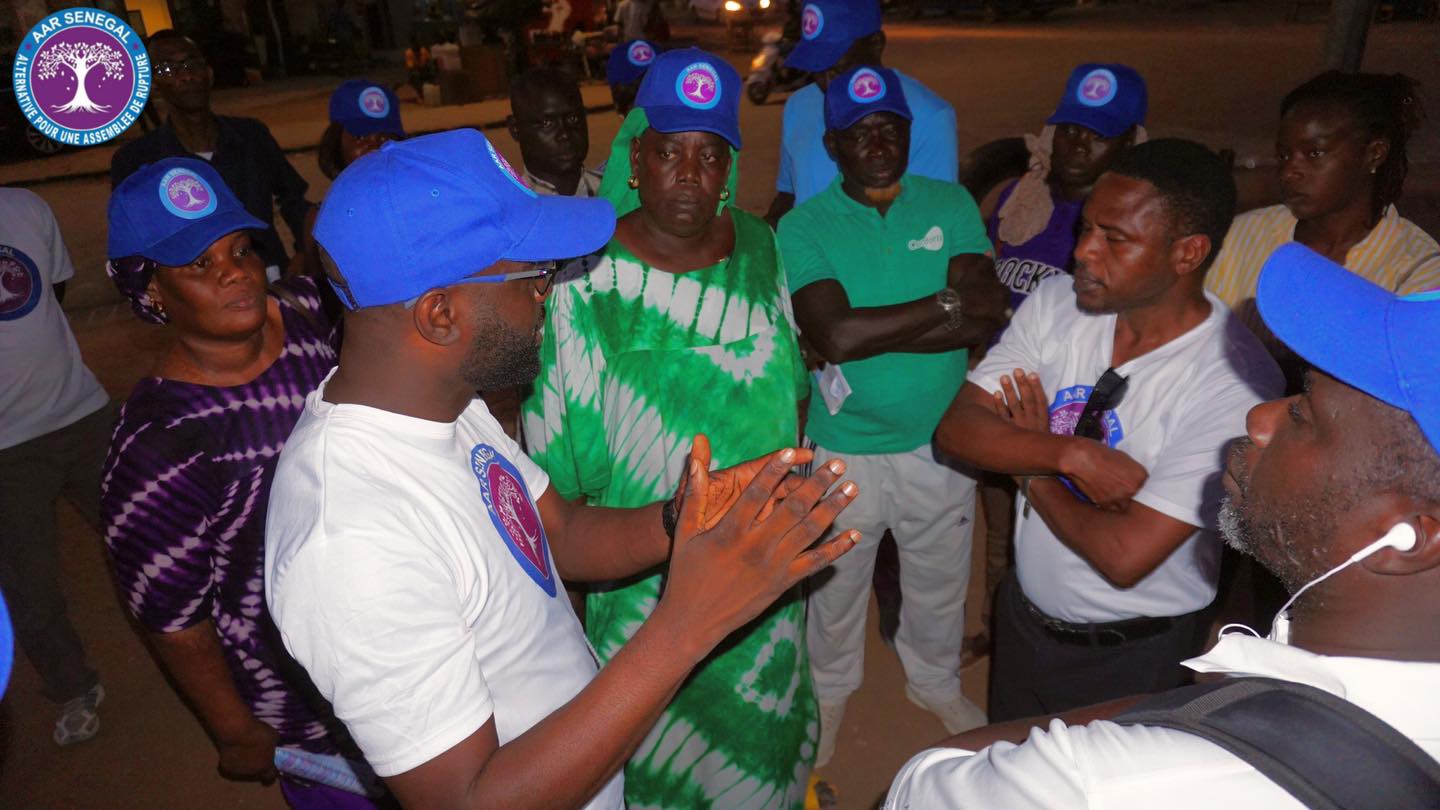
[
  {"x": 1357, "y": 332},
  {"x": 1109, "y": 99},
  {"x": 424, "y": 213},
  {"x": 827, "y": 30},
  {"x": 363, "y": 108},
  {"x": 689, "y": 90},
  {"x": 629, "y": 61},
  {"x": 859, "y": 92},
  {"x": 173, "y": 210}
]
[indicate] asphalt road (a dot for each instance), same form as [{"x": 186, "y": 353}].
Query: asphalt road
[{"x": 1215, "y": 74}]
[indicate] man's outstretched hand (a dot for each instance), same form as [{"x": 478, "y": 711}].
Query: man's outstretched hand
[
  {"x": 737, "y": 551},
  {"x": 724, "y": 486}
]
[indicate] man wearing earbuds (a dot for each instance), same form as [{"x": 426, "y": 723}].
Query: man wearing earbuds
[{"x": 1336, "y": 491}]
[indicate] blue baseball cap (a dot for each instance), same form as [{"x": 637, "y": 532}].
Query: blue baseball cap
[
  {"x": 689, "y": 90},
  {"x": 1355, "y": 331},
  {"x": 426, "y": 212},
  {"x": 827, "y": 30},
  {"x": 363, "y": 108},
  {"x": 859, "y": 92},
  {"x": 1109, "y": 99},
  {"x": 629, "y": 61},
  {"x": 172, "y": 210}
]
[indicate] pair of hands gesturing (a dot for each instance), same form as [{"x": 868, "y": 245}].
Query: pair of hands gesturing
[
  {"x": 745, "y": 534},
  {"x": 1108, "y": 477}
]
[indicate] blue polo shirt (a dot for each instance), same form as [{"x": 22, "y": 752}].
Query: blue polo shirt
[{"x": 805, "y": 168}]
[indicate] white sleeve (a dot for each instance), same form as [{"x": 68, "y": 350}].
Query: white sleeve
[
  {"x": 1021, "y": 343},
  {"x": 1185, "y": 482},
  {"x": 1045, "y": 772},
  {"x": 379, "y": 628},
  {"x": 61, "y": 268}
]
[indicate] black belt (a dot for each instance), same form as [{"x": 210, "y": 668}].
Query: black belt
[{"x": 1097, "y": 634}]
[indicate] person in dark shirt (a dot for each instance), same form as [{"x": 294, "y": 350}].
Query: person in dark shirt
[{"x": 242, "y": 150}]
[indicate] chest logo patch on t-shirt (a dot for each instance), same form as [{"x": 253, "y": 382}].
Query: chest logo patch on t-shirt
[
  {"x": 933, "y": 240},
  {"x": 20, "y": 285},
  {"x": 1070, "y": 403},
  {"x": 513, "y": 512}
]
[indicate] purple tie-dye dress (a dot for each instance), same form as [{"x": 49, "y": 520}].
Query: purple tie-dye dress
[{"x": 186, "y": 486}]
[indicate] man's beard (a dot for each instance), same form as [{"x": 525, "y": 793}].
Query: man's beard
[
  {"x": 1288, "y": 538},
  {"x": 501, "y": 356}
]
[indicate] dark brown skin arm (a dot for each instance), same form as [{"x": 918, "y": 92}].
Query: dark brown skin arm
[
  {"x": 1016, "y": 731},
  {"x": 842, "y": 333},
  {"x": 1124, "y": 546},
  {"x": 195, "y": 662},
  {"x": 779, "y": 207},
  {"x": 595, "y": 544}
]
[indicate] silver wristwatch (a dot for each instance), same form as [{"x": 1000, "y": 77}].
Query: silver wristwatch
[{"x": 949, "y": 300}]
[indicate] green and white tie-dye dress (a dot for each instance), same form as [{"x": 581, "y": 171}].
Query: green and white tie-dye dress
[{"x": 635, "y": 362}]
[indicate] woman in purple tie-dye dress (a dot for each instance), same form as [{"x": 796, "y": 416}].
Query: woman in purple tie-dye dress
[{"x": 191, "y": 461}]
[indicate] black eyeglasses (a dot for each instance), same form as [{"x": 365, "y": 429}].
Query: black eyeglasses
[
  {"x": 1109, "y": 390},
  {"x": 169, "y": 70}
]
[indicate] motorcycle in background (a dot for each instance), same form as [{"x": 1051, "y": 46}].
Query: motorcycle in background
[{"x": 768, "y": 72}]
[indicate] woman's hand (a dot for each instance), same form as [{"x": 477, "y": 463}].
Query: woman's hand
[{"x": 248, "y": 754}]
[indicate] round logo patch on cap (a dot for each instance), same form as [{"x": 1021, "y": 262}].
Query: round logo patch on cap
[
  {"x": 374, "y": 103},
  {"x": 1098, "y": 88},
  {"x": 186, "y": 194},
  {"x": 812, "y": 21},
  {"x": 640, "y": 53},
  {"x": 509, "y": 172},
  {"x": 698, "y": 86},
  {"x": 866, "y": 86}
]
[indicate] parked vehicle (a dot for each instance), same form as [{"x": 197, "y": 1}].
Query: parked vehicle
[
  {"x": 731, "y": 12},
  {"x": 768, "y": 71}
]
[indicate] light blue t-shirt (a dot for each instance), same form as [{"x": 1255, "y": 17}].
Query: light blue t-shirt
[{"x": 805, "y": 168}]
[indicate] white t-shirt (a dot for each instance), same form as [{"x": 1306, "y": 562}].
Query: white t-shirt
[
  {"x": 1186, "y": 400},
  {"x": 408, "y": 572},
  {"x": 45, "y": 385},
  {"x": 1105, "y": 766}
]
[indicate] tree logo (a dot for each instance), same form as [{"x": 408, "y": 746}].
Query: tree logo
[
  {"x": 512, "y": 512},
  {"x": 20, "y": 284},
  {"x": 867, "y": 86},
  {"x": 1097, "y": 89},
  {"x": 374, "y": 103},
  {"x": 698, "y": 86},
  {"x": 640, "y": 53},
  {"x": 812, "y": 21},
  {"x": 81, "y": 76},
  {"x": 186, "y": 194}
]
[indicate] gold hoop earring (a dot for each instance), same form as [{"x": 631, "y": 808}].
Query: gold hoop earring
[{"x": 633, "y": 182}]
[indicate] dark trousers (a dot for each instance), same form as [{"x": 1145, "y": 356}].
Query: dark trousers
[
  {"x": 33, "y": 475},
  {"x": 1034, "y": 673}
]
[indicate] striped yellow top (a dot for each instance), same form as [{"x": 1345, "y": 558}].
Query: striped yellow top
[{"x": 1396, "y": 254}]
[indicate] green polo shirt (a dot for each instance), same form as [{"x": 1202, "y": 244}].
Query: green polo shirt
[{"x": 898, "y": 398}]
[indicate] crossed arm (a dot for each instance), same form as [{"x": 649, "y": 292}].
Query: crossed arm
[
  {"x": 842, "y": 333},
  {"x": 1009, "y": 432}
]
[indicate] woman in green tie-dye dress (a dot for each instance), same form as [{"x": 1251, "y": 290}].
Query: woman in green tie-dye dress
[{"x": 639, "y": 355}]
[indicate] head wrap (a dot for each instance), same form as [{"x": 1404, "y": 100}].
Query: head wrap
[
  {"x": 1030, "y": 206},
  {"x": 132, "y": 275}
]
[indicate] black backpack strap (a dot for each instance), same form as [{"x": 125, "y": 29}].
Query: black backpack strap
[{"x": 1325, "y": 751}]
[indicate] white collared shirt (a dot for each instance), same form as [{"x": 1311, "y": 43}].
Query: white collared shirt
[
  {"x": 1105, "y": 766},
  {"x": 588, "y": 186}
]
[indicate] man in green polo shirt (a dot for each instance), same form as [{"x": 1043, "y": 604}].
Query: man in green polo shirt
[{"x": 892, "y": 280}]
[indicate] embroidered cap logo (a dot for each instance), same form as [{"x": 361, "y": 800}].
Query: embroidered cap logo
[
  {"x": 812, "y": 21},
  {"x": 374, "y": 103},
  {"x": 1098, "y": 88},
  {"x": 867, "y": 87},
  {"x": 186, "y": 194},
  {"x": 698, "y": 86}
]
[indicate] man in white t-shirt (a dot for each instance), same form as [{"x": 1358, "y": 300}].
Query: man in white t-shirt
[
  {"x": 53, "y": 436},
  {"x": 414, "y": 555},
  {"x": 1112, "y": 395},
  {"x": 1320, "y": 477}
]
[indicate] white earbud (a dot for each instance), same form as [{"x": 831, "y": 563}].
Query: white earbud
[{"x": 1401, "y": 537}]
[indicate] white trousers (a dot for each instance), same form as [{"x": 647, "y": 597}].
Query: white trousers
[{"x": 930, "y": 508}]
